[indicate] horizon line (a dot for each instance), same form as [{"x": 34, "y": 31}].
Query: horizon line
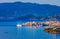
[{"x": 29, "y": 2}]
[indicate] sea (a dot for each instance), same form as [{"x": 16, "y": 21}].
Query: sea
[{"x": 10, "y": 30}]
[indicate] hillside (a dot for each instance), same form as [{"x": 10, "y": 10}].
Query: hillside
[{"x": 20, "y": 9}]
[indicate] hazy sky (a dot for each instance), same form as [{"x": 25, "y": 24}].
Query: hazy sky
[{"x": 52, "y": 2}]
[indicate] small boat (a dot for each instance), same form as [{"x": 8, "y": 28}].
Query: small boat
[{"x": 19, "y": 25}]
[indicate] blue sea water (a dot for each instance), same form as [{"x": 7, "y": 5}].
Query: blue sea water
[{"x": 9, "y": 30}]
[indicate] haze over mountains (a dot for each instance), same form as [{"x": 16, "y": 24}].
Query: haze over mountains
[{"x": 21, "y": 10}]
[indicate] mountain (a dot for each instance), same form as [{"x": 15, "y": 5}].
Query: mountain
[
  {"x": 22, "y": 10},
  {"x": 28, "y": 17}
]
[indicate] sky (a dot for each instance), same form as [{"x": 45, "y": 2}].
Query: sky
[{"x": 51, "y": 2}]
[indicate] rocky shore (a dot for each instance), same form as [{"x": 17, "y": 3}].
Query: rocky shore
[
  {"x": 51, "y": 26},
  {"x": 47, "y": 23},
  {"x": 52, "y": 30}
]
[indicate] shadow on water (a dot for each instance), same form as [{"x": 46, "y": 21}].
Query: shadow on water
[{"x": 34, "y": 33}]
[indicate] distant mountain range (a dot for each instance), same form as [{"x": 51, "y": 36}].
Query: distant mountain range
[{"x": 20, "y": 10}]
